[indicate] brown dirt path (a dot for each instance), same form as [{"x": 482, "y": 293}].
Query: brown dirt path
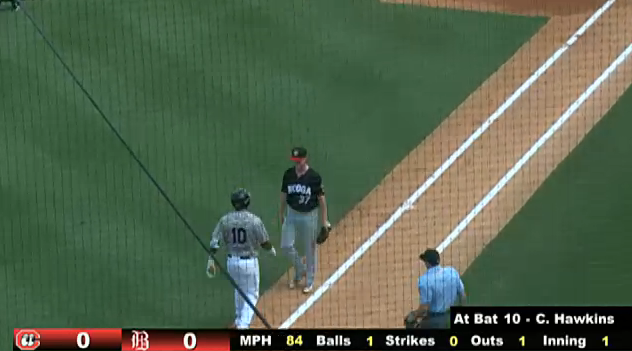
[
  {"x": 546, "y": 8},
  {"x": 380, "y": 287}
]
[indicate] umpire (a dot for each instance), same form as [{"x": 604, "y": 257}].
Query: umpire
[{"x": 439, "y": 289}]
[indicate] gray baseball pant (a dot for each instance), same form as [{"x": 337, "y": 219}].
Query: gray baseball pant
[{"x": 301, "y": 227}]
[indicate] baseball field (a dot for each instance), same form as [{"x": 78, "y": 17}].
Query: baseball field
[{"x": 497, "y": 131}]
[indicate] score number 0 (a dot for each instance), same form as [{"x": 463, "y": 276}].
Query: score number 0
[
  {"x": 83, "y": 340},
  {"x": 190, "y": 341}
]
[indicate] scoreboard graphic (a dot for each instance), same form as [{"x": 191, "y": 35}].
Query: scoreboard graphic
[
  {"x": 532, "y": 328},
  {"x": 121, "y": 339}
]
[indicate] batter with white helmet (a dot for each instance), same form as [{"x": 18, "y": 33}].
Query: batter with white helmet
[{"x": 242, "y": 232}]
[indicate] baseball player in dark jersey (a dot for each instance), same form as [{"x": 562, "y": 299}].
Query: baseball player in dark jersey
[
  {"x": 302, "y": 195},
  {"x": 14, "y": 3}
]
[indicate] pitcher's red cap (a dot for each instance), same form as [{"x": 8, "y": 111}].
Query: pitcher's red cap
[{"x": 298, "y": 154}]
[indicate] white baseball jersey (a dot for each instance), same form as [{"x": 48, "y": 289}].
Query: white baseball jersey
[{"x": 242, "y": 232}]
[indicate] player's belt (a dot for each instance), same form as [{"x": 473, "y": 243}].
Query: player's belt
[
  {"x": 240, "y": 257},
  {"x": 303, "y": 212}
]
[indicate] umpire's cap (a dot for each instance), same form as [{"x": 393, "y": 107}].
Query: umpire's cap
[
  {"x": 430, "y": 256},
  {"x": 240, "y": 199}
]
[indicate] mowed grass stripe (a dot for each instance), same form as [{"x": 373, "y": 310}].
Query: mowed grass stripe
[
  {"x": 202, "y": 120},
  {"x": 84, "y": 226},
  {"x": 570, "y": 243},
  {"x": 265, "y": 84}
]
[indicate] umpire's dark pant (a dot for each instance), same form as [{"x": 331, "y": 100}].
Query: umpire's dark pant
[{"x": 435, "y": 321}]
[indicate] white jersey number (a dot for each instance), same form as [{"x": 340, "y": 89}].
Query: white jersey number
[{"x": 239, "y": 235}]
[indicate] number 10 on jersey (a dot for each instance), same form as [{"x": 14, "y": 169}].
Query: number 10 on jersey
[{"x": 239, "y": 235}]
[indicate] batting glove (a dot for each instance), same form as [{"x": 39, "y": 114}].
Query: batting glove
[{"x": 210, "y": 268}]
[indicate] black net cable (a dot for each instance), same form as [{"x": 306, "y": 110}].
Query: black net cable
[{"x": 142, "y": 166}]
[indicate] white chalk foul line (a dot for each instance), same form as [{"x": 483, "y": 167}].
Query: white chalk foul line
[
  {"x": 439, "y": 172},
  {"x": 538, "y": 144}
]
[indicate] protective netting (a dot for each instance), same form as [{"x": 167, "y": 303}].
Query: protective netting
[{"x": 128, "y": 124}]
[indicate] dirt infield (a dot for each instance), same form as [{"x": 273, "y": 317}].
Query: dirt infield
[
  {"x": 518, "y": 7},
  {"x": 379, "y": 288}
]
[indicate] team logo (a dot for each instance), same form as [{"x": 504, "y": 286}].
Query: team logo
[
  {"x": 299, "y": 189},
  {"x": 140, "y": 340},
  {"x": 27, "y": 339}
]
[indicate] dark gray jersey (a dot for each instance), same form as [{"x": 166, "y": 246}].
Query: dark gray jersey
[{"x": 242, "y": 233}]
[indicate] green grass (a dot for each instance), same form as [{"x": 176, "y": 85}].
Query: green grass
[
  {"x": 571, "y": 243},
  {"x": 211, "y": 95}
]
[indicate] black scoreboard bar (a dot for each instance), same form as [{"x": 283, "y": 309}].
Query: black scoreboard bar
[
  {"x": 541, "y": 318},
  {"x": 472, "y": 328},
  {"x": 406, "y": 339}
]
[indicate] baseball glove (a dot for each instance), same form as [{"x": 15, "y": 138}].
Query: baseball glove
[
  {"x": 323, "y": 234},
  {"x": 412, "y": 321}
]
